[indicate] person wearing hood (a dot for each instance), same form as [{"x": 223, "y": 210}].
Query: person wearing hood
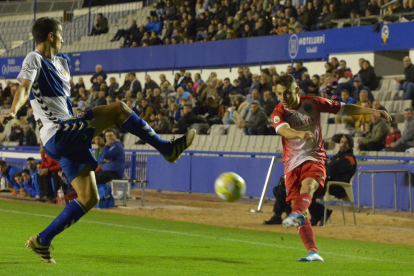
[{"x": 112, "y": 159}]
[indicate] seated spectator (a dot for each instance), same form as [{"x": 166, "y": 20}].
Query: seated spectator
[
  {"x": 28, "y": 138},
  {"x": 314, "y": 86},
  {"x": 407, "y": 84},
  {"x": 227, "y": 88},
  {"x": 358, "y": 87},
  {"x": 31, "y": 187},
  {"x": 101, "y": 25},
  {"x": 375, "y": 141},
  {"x": 185, "y": 95},
  {"x": 174, "y": 113},
  {"x": 305, "y": 82},
  {"x": 31, "y": 121},
  {"x": 367, "y": 74},
  {"x": 101, "y": 98},
  {"x": 7, "y": 172},
  {"x": 134, "y": 84},
  {"x": 156, "y": 99},
  {"x": 341, "y": 167},
  {"x": 347, "y": 70},
  {"x": 112, "y": 159},
  {"x": 74, "y": 90},
  {"x": 300, "y": 69},
  {"x": 147, "y": 109},
  {"x": 407, "y": 139},
  {"x": 98, "y": 72},
  {"x": 268, "y": 103},
  {"x": 361, "y": 119},
  {"x": 187, "y": 119},
  {"x": 126, "y": 34},
  {"x": 377, "y": 105},
  {"x": 16, "y": 131},
  {"x": 257, "y": 123},
  {"x": 155, "y": 25},
  {"x": 393, "y": 136},
  {"x": 162, "y": 123},
  {"x": 154, "y": 39},
  {"x": 344, "y": 119},
  {"x": 113, "y": 88},
  {"x": 233, "y": 113},
  {"x": 149, "y": 84}
]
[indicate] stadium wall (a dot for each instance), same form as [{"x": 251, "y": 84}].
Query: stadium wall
[{"x": 196, "y": 173}]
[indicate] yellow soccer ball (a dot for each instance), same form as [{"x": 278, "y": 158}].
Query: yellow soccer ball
[{"x": 230, "y": 186}]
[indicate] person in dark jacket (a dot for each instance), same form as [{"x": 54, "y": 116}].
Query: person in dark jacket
[
  {"x": 112, "y": 159},
  {"x": 101, "y": 25},
  {"x": 28, "y": 138},
  {"x": 162, "y": 124},
  {"x": 126, "y": 34},
  {"x": 98, "y": 72},
  {"x": 256, "y": 124},
  {"x": 407, "y": 84},
  {"x": 186, "y": 120},
  {"x": 7, "y": 172},
  {"x": 369, "y": 79},
  {"x": 280, "y": 205},
  {"x": 341, "y": 167}
]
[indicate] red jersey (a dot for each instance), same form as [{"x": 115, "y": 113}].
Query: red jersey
[{"x": 306, "y": 118}]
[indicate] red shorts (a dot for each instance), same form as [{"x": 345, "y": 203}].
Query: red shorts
[{"x": 294, "y": 178}]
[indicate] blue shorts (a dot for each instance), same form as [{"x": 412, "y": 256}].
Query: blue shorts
[{"x": 71, "y": 145}]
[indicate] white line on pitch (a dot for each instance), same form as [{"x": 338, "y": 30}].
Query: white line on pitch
[{"x": 209, "y": 237}]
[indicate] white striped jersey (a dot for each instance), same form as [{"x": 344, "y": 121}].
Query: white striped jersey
[{"x": 50, "y": 94}]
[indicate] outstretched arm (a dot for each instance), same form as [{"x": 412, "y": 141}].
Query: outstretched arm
[
  {"x": 290, "y": 133},
  {"x": 20, "y": 98},
  {"x": 352, "y": 109}
]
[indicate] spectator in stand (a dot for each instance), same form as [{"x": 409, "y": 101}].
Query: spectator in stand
[
  {"x": 227, "y": 88},
  {"x": 361, "y": 119},
  {"x": 268, "y": 103},
  {"x": 31, "y": 187},
  {"x": 183, "y": 95},
  {"x": 101, "y": 98},
  {"x": 113, "y": 88},
  {"x": 16, "y": 131},
  {"x": 175, "y": 113},
  {"x": 299, "y": 70},
  {"x": 304, "y": 17},
  {"x": 367, "y": 74},
  {"x": 49, "y": 169},
  {"x": 101, "y": 26},
  {"x": 98, "y": 72},
  {"x": 74, "y": 90},
  {"x": 342, "y": 118},
  {"x": 305, "y": 82},
  {"x": 112, "y": 159},
  {"x": 407, "y": 84},
  {"x": 97, "y": 85},
  {"x": 314, "y": 86},
  {"x": 407, "y": 139},
  {"x": 187, "y": 119},
  {"x": 162, "y": 124},
  {"x": 245, "y": 115},
  {"x": 100, "y": 143},
  {"x": 126, "y": 34},
  {"x": 358, "y": 87},
  {"x": 28, "y": 138},
  {"x": 154, "y": 39},
  {"x": 264, "y": 84},
  {"x": 393, "y": 136},
  {"x": 149, "y": 83},
  {"x": 134, "y": 84},
  {"x": 377, "y": 105},
  {"x": 7, "y": 172},
  {"x": 329, "y": 67},
  {"x": 245, "y": 79},
  {"x": 257, "y": 123},
  {"x": 233, "y": 113},
  {"x": 347, "y": 70},
  {"x": 375, "y": 140},
  {"x": 31, "y": 121},
  {"x": 335, "y": 62},
  {"x": 148, "y": 109}
]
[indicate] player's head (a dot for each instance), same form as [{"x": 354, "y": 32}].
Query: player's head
[
  {"x": 110, "y": 135},
  {"x": 31, "y": 163},
  {"x": 287, "y": 90},
  {"x": 48, "y": 30}
]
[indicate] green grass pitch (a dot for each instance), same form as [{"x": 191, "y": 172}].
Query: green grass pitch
[{"x": 112, "y": 244}]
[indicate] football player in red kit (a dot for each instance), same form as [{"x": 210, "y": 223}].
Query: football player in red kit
[{"x": 298, "y": 120}]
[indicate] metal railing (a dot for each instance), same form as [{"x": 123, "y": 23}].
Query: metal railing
[
  {"x": 27, "y": 7},
  {"x": 370, "y": 20}
]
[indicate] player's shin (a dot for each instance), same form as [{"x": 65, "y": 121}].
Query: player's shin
[
  {"x": 307, "y": 235},
  {"x": 137, "y": 126},
  {"x": 71, "y": 214},
  {"x": 302, "y": 203}
]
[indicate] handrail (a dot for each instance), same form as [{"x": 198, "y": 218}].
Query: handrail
[
  {"x": 4, "y": 44},
  {"x": 382, "y": 8},
  {"x": 366, "y": 18}
]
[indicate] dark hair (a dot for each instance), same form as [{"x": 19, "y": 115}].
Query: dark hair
[
  {"x": 300, "y": 62},
  {"x": 132, "y": 74},
  {"x": 110, "y": 130},
  {"x": 17, "y": 174},
  {"x": 162, "y": 112},
  {"x": 345, "y": 90},
  {"x": 227, "y": 79},
  {"x": 285, "y": 80},
  {"x": 407, "y": 109},
  {"x": 30, "y": 159},
  {"x": 43, "y": 27},
  {"x": 26, "y": 171},
  {"x": 2, "y": 163}
]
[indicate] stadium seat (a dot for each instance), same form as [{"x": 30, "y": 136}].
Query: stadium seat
[
  {"x": 389, "y": 106},
  {"x": 401, "y": 127},
  {"x": 278, "y": 146},
  {"x": 349, "y": 197}
]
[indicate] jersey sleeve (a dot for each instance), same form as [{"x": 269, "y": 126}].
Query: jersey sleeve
[
  {"x": 278, "y": 118},
  {"x": 330, "y": 106},
  {"x": 31, "y": 66}
]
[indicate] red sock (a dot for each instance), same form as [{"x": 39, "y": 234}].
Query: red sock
[
  {"x": 302, "y": 203},
  {"x": 307, "y": 235}
]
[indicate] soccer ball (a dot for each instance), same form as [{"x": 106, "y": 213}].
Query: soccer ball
[{"x": 230, "y": 187}]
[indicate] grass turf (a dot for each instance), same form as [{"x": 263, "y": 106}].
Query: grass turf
[{"x": 112, "y": 244}]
